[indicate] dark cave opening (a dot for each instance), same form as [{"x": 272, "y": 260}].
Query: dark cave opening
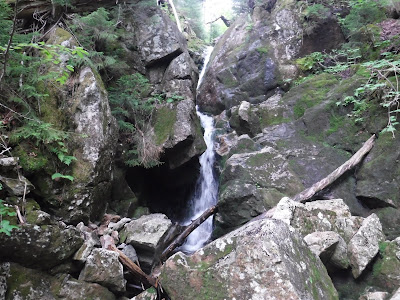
[{"x": 164, "y": 190}]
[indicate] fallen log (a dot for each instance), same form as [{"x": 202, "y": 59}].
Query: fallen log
[
  {"x": 147, "y": 280},
  {"x": 181, "y": 238},
  {"x": 332, "y": 177}
]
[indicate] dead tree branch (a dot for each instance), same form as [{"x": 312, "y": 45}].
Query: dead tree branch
[
  {"x": 181, "y": 238},
  {"x": 352, "y": 162},
  {"x": 135, "y": 269},
  {"x": 225, "y": 20}
]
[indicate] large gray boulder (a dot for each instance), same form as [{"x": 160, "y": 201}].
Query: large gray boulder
[
  {"x": 103, "y": 267},
  {"x": 264, "y": 259},
  {"x": 364, "y": 245},
  {"x": 41, "y": 247},
  {"x": 251, "y": 183},
  {"x": 146, "y": 235},
  {"x": 87, "y": 113}
]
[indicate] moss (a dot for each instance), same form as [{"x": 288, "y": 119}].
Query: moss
[
  {"x": 262, "y": 50},
  {"x": 164, "y": 124},
  {"x": 269, "y": 118},
  {"x": 335, "y": 123},
  {"x": 313, "y": 91},
  {"x": 31, "y": 158},
  {"x": 382, "y": 247},
  {"x": 259, "y": 159},
  {"x": 60, "y": 35},
  {"x": 80, "y": 168}
]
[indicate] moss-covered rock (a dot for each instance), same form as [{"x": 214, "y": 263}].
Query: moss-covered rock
[
  {"x": 379, "y": 177},
  {"x": 252, "y": 183},
  {"x": 263, "y": 259},
  {"x": 29, "y": 284},
  {"x": 40, "y": 247},
  {"x": 390, "y": 219}
]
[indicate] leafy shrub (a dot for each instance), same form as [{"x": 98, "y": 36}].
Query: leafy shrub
[
  {"x": 6, "y": 211},
  {"x": 362, "y": 13},
  {"x": 133, "y": 107},
  {"x": 97, "y": 33}
]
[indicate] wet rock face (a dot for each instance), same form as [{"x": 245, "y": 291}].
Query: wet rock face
[
  {"x": 379, "y": 178},
  {"x": 386, "y": 269},
  {"x": 40, "y": 246},
  {"x": 263, "y": 259}
]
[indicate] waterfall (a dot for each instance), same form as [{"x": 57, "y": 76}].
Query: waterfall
[{"x": 206, "y": 190}]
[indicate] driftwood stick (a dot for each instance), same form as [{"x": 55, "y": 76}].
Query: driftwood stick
[
  {"x": 135, "y": 269},
  {"x": 21, "y": 219},
  {"x": 181, "y": 238},
  {"x": 353, "y": 161}
]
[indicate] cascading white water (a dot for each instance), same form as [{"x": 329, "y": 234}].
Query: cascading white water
[{"x": 206, "y": 190}]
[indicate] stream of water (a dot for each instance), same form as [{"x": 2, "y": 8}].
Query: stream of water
[{"x": 206, "y": 190}]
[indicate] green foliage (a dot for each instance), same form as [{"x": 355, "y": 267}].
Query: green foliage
[
  {"x": 362, "y": 13},
  {"x": 193, "y": 12},
  {"x": 240, "y": 7},
  {"x": 59, "y": 175},
  {"x": 311, "y": 61},
  {"x": 382, "y": 80},
  {"x": 45, "y": 135},
  {"x": 97, "y": 33},
  {"x": 133, "y": 107},
  {"x": 313, "y": 15},
  {"x": 38, "y": 132},
  {"x": 5, "y": 226}
]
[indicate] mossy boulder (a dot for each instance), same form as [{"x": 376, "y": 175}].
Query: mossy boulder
[
  {"x": 379, "y": 177},
  {"x": 29, "y": 284},
  {"x": 254, "y": 58},
  {"x": 251, "y": 183},
  {"x": 263, "y": 259},
  {"x": 390, "y": 219},
  {"x": 80, "y": 108},
  {"x": 386, "y": 270},
  {"x": 40, "y": 247}
]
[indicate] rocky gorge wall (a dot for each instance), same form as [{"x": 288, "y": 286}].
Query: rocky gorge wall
[{"x": 274, "y": 140}]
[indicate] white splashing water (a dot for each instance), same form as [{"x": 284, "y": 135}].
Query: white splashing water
[{"x": 205, "y": 195}]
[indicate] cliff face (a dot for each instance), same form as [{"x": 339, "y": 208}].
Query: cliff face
[{"x": 253, "y": 58}]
